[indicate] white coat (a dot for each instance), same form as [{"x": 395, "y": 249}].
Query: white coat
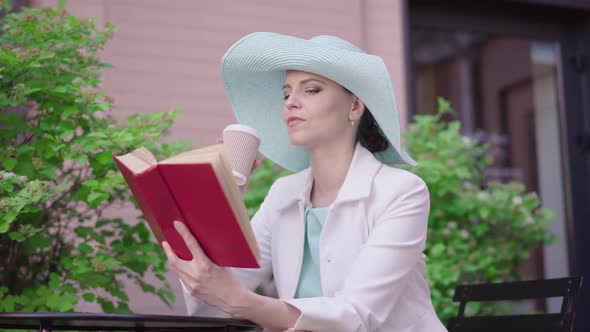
[{"x": 371, "y": 261}]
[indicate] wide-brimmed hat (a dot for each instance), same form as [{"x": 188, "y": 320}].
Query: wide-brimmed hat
[{"x": 253, "y": 71}]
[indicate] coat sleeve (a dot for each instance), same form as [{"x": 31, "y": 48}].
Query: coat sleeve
[
  {"x": 249, "y": 278},
  {"x": 373, "y": 288}
]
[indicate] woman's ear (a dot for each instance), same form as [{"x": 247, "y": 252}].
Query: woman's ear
[{"x": 357, "y": 109}]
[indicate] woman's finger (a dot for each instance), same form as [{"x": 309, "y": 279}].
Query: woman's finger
[
  {"x": 256, "y": 164},
  {"x": 187, "y": 281},
  {"x": 173, "y": 260}
]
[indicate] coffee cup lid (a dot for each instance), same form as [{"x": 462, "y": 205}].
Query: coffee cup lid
[{"x": 241, "y": 127}]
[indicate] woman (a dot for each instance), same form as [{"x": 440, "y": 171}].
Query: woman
[{"x": 344, "y": 235}]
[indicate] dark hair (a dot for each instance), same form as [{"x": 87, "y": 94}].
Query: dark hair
[{"x": 368, "y": 133}]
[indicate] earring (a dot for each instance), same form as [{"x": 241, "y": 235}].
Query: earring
[{"x": 352, "y": 123}]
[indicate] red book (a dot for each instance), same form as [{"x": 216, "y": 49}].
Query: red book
[{"x": 198, "y": 188}]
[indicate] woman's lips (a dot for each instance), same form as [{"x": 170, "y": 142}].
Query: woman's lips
[{"x": 292, "y": 122}]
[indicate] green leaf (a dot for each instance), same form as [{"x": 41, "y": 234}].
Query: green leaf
[
  {"x": 9, "y": 164},
  {"x": 120, "y": 294},
  {"x": 102, "y": 223},
  {"x": 69, "y": 289},
  {"x": 54, "y": 281},
  {"x": 88, "y": 297},
  {"x": 60, "y": 89},
  {"x": 68, "y": 111},
  {"x": 123, "y": 308},
  {"x": 106, "y": 306},
  {"x": 90, "y": 183},
  {"x": 29, "y": 91},
  {"x": 80, "y": 159},
  {"x": 484, "y": 212},
  {"x": 38, "y": 241},
  {"x": 110, "y": 262},
  {"x": 13, "y": 121},
  {"x": 95, "y": 198},
  {"x": 56, "y": 147},
  {"x": 45, "y": 55},
  {"x": 66, "y": 134},
  {"x": 9, "y": 217},
  {"x": 18, "y": 237},
  {"x": 8, "y": 304},
  {"x": 103, "y": 106},
  {"x": 438, "y": 249},
  {"x": 82, "y": 231},
  {"x": 147, "y": 287},
  {"x": 8, "y": 57},
  {"x": 4, "y": 226},
  {"x": 67, "y": 303},
  {"x": 83, "y": 247},
  {"x": 104, "y": 157},
  {"x": 49, "y": 173}
]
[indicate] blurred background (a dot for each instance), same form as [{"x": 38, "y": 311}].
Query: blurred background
[{"x": 516, "y": 73}]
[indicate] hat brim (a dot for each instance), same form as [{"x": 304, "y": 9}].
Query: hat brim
[{"x": 253, "y": 72}]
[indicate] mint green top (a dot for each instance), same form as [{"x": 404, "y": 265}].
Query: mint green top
[{"x": 309, "y": 280}]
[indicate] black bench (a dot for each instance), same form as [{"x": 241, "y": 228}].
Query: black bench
[{"x": 567, "y": 288}]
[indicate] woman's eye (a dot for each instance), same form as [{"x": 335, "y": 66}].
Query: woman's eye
[{"x": 310, "y": 91}]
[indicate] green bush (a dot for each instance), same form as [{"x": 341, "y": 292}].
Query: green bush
[
  {"x": 478, "y": 231},
  {"x": 260, "y": 183},
  {"x": 57, "y": 176}
]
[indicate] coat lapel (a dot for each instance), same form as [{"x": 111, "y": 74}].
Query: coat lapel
[
  {"x": 357, "y": 184},
  {"x": 359, "y": 179}
]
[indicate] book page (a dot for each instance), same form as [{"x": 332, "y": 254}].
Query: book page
[
  {"x": 134, "y": 162},
  {"x": 226, "y": 178},
  {"x": 206, "y": 154}
]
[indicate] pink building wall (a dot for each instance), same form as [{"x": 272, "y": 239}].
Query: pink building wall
[{"x": 166, "y": 54}]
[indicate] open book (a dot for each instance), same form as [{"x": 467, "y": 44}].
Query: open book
[{"x": 198, "y": 188}]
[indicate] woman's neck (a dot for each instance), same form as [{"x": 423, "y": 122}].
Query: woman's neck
[{"x": 329, "y": 166}]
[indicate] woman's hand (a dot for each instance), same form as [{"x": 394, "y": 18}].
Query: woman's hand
[
  {"x": 218, "y": 287},
  {"x": 256, "y": 164},
  {"x": 203, "y": 278}
]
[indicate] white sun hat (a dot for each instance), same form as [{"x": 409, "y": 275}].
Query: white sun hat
[{"x": 253, "y": 71}]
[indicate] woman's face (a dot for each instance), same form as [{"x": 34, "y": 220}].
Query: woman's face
[{"x": 317, "y": 110}]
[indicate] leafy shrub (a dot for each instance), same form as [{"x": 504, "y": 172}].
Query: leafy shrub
[
  {"x": 479, "y": 231},
  {"x": 57, "y": 176}
]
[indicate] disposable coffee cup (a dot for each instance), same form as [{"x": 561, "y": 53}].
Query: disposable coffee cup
[{"x": 241, "y": 143}]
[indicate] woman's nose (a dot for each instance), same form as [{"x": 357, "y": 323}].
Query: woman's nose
[{"x": 292, "y": 101}]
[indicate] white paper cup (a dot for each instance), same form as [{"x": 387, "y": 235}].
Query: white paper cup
[{"x": 241, "y": 143}]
